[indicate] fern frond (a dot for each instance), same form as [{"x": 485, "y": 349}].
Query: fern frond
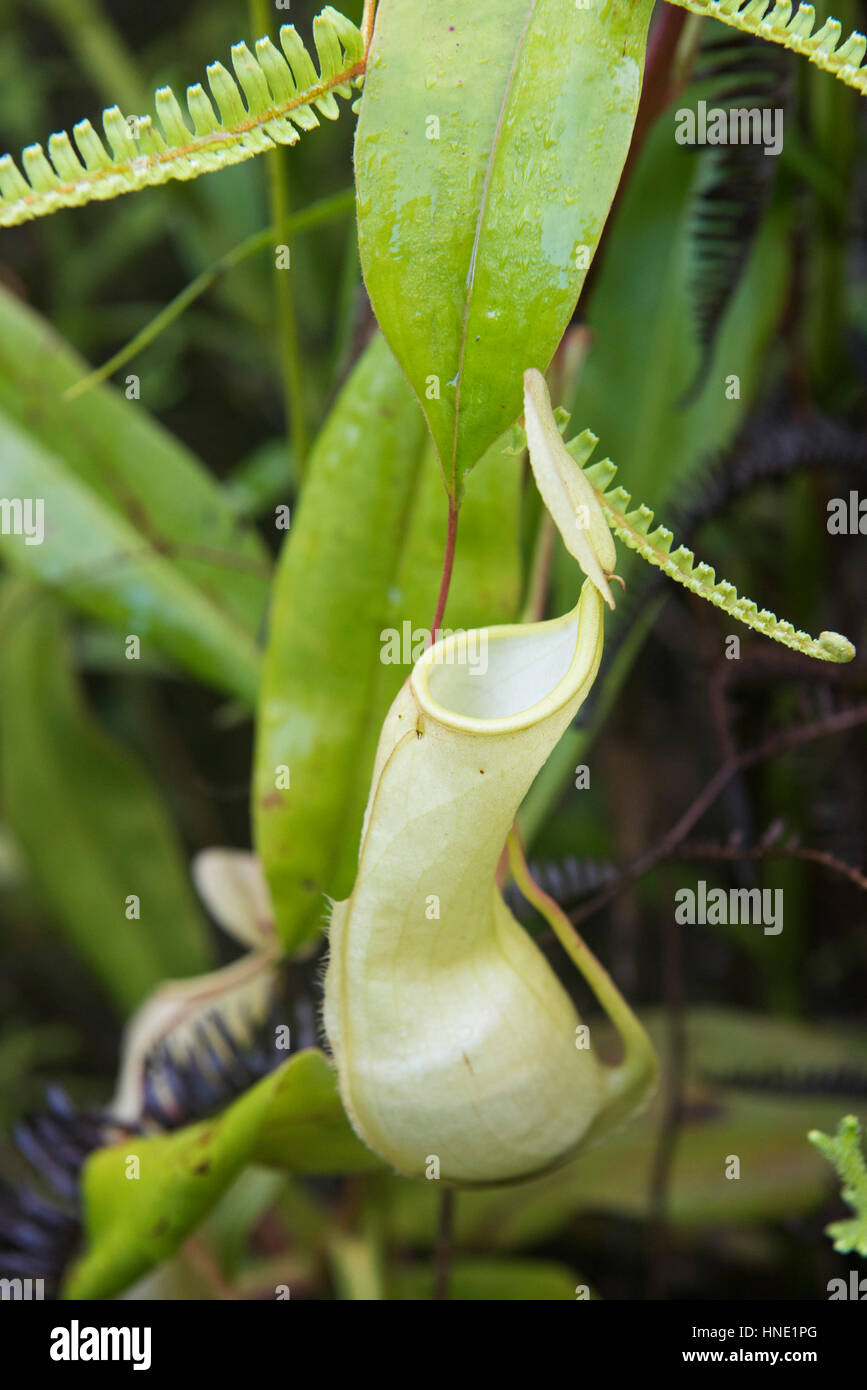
[
  {"x": 773, "y": 20},
  {"x": 269, "y": 100},
  {"x": 774, "y": 450},
  {"x": 632, "y": 525},
  {"x": 735, "y": 183},
  {"x": 844, "y": 1151}
]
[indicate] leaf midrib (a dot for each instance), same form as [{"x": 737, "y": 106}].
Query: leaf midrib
[{"x": 495, "y": 144}]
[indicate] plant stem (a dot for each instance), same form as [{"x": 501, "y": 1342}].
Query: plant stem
[
  {"x": 773, "y": 747},
  {"x": 540, "y": 570},
  {"x": 286, "y": 316},
  {"x": 367, "y": 19},
  {"x": 448, "y": 566},
  {"x": 355, "y": 1268},
  {"x": 287, "y": 323},
  {"x": 638, "y": 1064},
  {"x": 733, "y": 853},
  {"x": 317, "y": 213},
  {"x": 208, "y": 1269}
]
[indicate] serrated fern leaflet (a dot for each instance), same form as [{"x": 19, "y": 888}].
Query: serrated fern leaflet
[
  {"x": 773, "y": 20},
  {"x": 269, "y": 100},
  {"x": 632, "y": 526},
  {"x": 844, "y": 1151}
]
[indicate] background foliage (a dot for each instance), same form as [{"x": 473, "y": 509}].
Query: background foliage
[{"x": 114, "y": 773}]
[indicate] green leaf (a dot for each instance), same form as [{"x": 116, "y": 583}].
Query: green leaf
[
  {"x": 292, "y": 1119},
  {"x": 263, "y": 479},
  {"x": 475, "y": 236},
  {"x": 85, "y": 813},
  {"x": 492, "y": 1281},
  {"x": 136, "y": 533},
  {"x": 364, "y": 555}
]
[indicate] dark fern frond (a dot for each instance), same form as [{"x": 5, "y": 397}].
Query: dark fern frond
[
  {"x": 39, "y": 1235},
  {"x": 221, "y": 1061},
  {"x": 218, "y": 1067},
  {"x": 37, "y": 1239},
  {"x": 781, "y": 1081},
  {"x": 735, "y": 182},
  {"x": 771, "y": 452}
]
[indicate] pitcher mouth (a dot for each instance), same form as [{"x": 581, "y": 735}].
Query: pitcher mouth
[{"x": 530, "y": 673}]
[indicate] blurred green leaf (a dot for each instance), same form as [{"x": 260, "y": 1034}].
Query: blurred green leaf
[
  {"x": 136, "y": 533},
  {"x": 364, "y": 555},
  {"x": 25, "y": 1051},
  {"x": 233, "y": 1219},
  {"x": 490, "y": 144},
  {"x": 292, "y": 1118},
  {"x": 336, "y": 567},
  {"x": 100, "y": 50},
  {"x": 494, "y": 1281},
  {"x": 265, "y": 477},
  {"x": 87, "y": 817}
]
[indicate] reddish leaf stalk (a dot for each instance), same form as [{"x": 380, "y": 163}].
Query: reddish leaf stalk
[{"x": 448, "y": 566}]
